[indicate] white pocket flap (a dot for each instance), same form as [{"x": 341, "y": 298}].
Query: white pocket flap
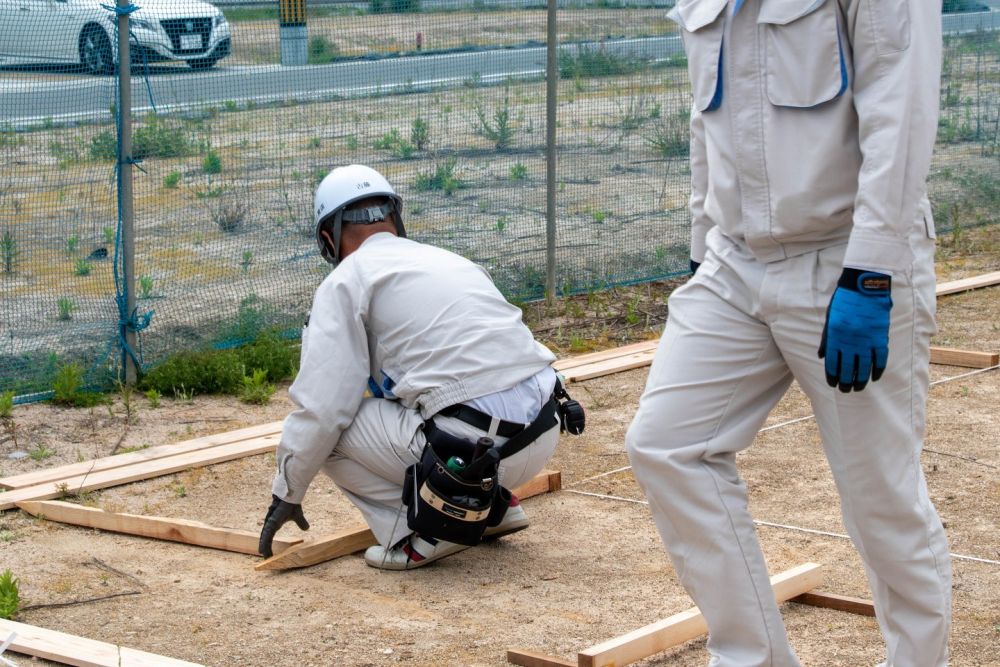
[
  {"x": 694, "y": 15},
  {"x": 782, "y": 12}
]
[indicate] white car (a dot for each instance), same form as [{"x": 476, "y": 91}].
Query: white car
[{"x": 82, "y": 31}]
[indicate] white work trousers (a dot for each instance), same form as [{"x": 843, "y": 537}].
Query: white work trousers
[
  {"x": 386, "y": 438},
  {"x": 736, "y": 336}
]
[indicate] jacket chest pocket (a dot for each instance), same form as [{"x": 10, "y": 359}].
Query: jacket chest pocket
[
  {"x": 702, "y": 26},
  {"x": 804, "y": 60}
]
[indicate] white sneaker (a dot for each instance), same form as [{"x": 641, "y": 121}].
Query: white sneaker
[
  {"x": 513, "y": 520},
  {"x": 412, "y": 552}
]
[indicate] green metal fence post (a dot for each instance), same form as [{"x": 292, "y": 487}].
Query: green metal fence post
[
  {"x": 551, "y": 99},
  {"x": 126, "y": 203}
]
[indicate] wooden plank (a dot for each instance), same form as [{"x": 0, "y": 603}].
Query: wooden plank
[
  {"x": 686, "y": 625},
  {"x": 846, "y": 603},
  {"x": 161, "y": 528},
  {"x": 608, "y": 366},
  {"x": 120, "y": 460},
  {"x": 526, "y": 658},
  {"x": 80, "y": 651},
  {"x": 975, "y": 282},
  {"x": 604, "y": 355},
  {"x": 351, "y": 540},
  {"x": 137, "y": 471},
  {"x": 947, "y": 356}
]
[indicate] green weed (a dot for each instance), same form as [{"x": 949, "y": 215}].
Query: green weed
[
  {"x": 66, "y": 307},
  {"x": 72, "y": 244},
  {"x": 153, "y": 397},
  {"x": 211, "y": 163},
  {"x": 442, "y": 178},
  {"x": 8, "y": 248},
  {"x": 10, "y": 595},
  {"x": 81, "y": 267},
  {"x": 518, "y": 172},
  {"x": 256, "y": 390},
  {"x": 7, "y": 404},
  {"x": 40, "y": 453},
  {"x": 145, "y": 286},
  {"x": 420, "y": 133},
  {"x": 171, "y": 180},
  {"x": 497, "y": 127},
  {"x": 109, "y": 236},
  {"x": 321, "y": 50}
]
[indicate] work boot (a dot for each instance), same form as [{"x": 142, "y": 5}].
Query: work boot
[
  {"x": 514, "y": 519},
  {"x": 410, "y": 553}
]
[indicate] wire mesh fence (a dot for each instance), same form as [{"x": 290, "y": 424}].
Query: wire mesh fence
[{"x": 238, "y": 111}]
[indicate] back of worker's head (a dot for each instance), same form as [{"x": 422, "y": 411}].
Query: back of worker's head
[{"x": 336, "y": 202}]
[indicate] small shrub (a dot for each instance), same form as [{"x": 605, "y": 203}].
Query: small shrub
[
  {"x": 159, "y": 137},
  {"x": 196, "y": 372},
  {"x": 8, "y": 248},
  {"x": 67, "y": 388},
  {"x": 501, "y": 224},
  {"x": 321, "y": 50},
  {"x": 497, "y": 128},
  {"x": 72, "y": 244},
  {"x": 351, "y": 141},
  {"x": 420, "y": 133},
  {"x": 40, "y": 453},
  {"x": 10, "y": 595},
  {"x": 66, "y": 307},
  {"x": 256, "y": 389},
  {"x": 172, "y": 180},
  {"x": 672, "y": 137},
  {"x": 7, "y": 404},
  {"x": 81, "y": 267},
  {"x": 145, "y": 286},
  {"x": 277, "y": 357},
  {"x": 153, "y": 397},
  {"x": 518, "y": 172},
  {"x": 442, "y": 178},
  {"x": 104, "y": 146},
  {"x": 394, "y": 142},
  {"x": 109, "y": 236},
  {"x": 212, "y": 163},
  {"x": 594, "y": 61},
  {"x": 247, "y": 260},
  {"x": 313, "y": 143}
]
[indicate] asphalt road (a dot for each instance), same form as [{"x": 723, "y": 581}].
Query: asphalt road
[{"x": 50, "y": 96}]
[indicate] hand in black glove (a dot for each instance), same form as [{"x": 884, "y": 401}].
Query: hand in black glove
[
  {"x": 278, "y": 514},
  {"x": 694, "y": 266}
]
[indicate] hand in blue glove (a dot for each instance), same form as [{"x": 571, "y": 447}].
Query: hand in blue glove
[{"x": 855, "y": 341}]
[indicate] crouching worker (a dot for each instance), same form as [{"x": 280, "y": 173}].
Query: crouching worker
[{"x": 446, "y": 360}]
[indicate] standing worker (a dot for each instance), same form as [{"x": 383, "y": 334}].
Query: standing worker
[
  {"x": 811, "y": 138},
  {"x": 440, "y": 351}
]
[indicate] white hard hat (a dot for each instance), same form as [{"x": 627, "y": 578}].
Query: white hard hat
[{"x": 342, "y": 187}]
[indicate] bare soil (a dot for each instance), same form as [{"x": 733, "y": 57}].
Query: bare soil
[{"x": 589, "y": 568}]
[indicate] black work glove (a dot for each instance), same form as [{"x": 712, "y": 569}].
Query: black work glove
[
  {"x": 278, "y": 514},
  {"x": 694, "y": 266}
]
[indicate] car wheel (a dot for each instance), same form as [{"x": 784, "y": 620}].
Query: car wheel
[
  {"x": 95, "y": 52},
  {"x": 202, "y": 63}
]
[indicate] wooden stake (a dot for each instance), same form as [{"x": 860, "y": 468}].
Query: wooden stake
[
  {"x": 838, "y": 602},
  {"x": 686, "y": 625},
  {"x": 351, "y": 540},
  {"x": 107, "y": 463},
  {"x": 965, "y": 284},
  {"x": 137, "y": 471},
  {"x": 72, "y": 650},
  {"x": 161, "y": 528},
  {"x": 947, "y": 356}
]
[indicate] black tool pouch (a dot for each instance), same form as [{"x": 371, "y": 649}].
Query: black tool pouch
[{"x": 445, "y": 505}]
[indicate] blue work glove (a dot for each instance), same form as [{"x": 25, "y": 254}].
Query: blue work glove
[
  {"x": 279, "y": 513},
  {"x": 855, "y": 341}
]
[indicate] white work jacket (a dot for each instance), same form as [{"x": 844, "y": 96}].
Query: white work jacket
[
  {"x": 428, "y": 326},
  {"x": 813, "y": 124}
]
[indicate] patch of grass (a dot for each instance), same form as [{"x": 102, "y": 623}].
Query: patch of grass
[
  {"x": 104, "y": 147},
  {"x": 66, "y": 307},
  {"x": 9, "y": 251},
  {"x": 584, "y": 61},
  {"x": 442, "y": 178},
  {"x": 211, "y": 163},
  {"x": 420, "y": 133},
  {"x": 10, "y": 595},
  {"x": 109, "y": 236},
  {"x": 7, "y": 404},
  {"x": 40, "y": 453},
  {"x": 145, "y": 286},
  {"x": 162, "y": 137},
  {"x": 196, "y": 372},
  {"x": 672, "y": 137},
  {"x": 394, "y": 142},
  {"x": 518, "y": 172},
  {"x": 172, "y": 180},
  {"x": 256, "y": 389},
  {"x": 72, "y": 244},
  {"x": 321, "y": 50},
  {"x": 153, "y": 397},
  {"x": 81, "y": 267},
  {"x": 67, "y": 388}
]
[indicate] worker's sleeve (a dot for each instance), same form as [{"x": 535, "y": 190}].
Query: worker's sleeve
[
  {"x": 700, "y": 224},
  {"x": 329, "y": 387},
  {"x": 896, "y": 46}
]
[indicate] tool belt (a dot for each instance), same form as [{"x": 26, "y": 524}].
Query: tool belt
[{"x": 457, "y": 506}]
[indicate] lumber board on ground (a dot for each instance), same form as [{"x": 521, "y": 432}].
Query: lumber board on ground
[
  {"x": 120, "y": 460},
  {"x": 608, "y": 366},
  {"x": 80, "y": 651},
  {"x": 603, "y": 355},
  {"x": 525, "y": 658},
  {"x": 846, "y": 603},
  {"x": 947, "y": 356},
  {"x": 138, "y": 471},
  {"x": 965, "y": 284},
  {"x": 679, "y": 628},
  {"x": 161, "y": 528},
  {"x": 351, "y": 540}
]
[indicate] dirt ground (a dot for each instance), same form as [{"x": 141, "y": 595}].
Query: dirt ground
[{"x": 588, "y": 569}]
